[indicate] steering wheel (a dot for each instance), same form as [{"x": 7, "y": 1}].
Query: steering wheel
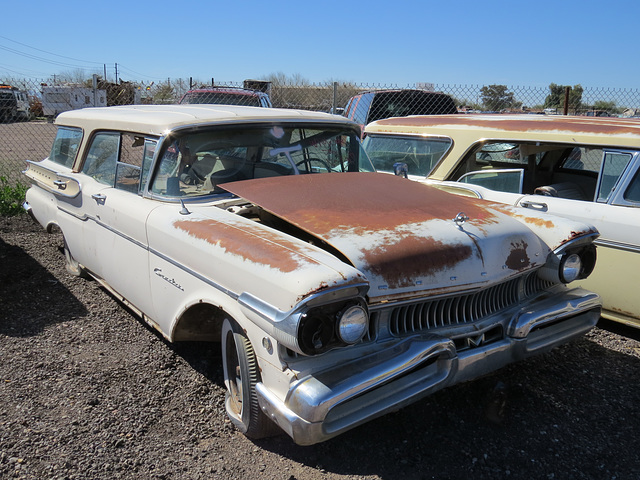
[{"x": 311, "y": 160}]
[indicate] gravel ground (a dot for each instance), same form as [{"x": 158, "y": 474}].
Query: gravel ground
[{"x": 89, "y": 392}]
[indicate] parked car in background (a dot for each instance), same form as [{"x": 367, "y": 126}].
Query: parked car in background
[
  {"x": 227, "y": 96},
  {"x": 338, "y": 294},
  {"x": 584, "y": 168},
  {"x": 14, "y": 104},
  {"x": 374, "y": 105}
]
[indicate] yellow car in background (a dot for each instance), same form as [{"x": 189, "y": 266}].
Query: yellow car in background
[{"x": 584, "y": 168}]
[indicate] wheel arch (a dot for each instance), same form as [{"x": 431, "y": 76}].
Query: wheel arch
[{"x": 200, "y": 322}]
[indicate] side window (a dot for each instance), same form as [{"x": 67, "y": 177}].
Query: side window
[
  {"x": 149, "y": 152},
  {"x": 361, "y": 109},
  {"x": 65, "y": 146},
  {"x": 584, "y": 159},
  {"x": 100, "y": 163},
  {"x": 347, "y": 108},
  {"x": 129, "y": 165},
  {"x": 632, "y": 194},
  {"x": 614, "y": 164}
]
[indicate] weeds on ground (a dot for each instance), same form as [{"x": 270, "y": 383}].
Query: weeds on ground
[{"x": 11, "y": 198}]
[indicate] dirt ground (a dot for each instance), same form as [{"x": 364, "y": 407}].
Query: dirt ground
[{"x": 88, "y": 392}]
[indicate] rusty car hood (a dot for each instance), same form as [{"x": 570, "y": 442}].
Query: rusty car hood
[{"x": 401, "y": 234}]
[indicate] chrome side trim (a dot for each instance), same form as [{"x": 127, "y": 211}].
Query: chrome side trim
[
  {"x": 601, "y": 242},
  {"x": 189, "y": 271},
  {"x": 84, "y": 217}
]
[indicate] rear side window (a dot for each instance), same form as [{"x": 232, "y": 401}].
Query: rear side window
[
  {"x": 65, "y": 146},
  {"x": 102, "y": 157}
]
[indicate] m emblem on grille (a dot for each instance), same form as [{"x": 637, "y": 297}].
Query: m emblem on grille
[{"x": 473, "y": 342}]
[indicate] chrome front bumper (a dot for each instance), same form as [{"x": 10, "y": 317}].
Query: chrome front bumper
[{"x": 325, "y": 404}]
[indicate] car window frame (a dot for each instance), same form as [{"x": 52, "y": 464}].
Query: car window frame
[{"x": 628, "y": 176}]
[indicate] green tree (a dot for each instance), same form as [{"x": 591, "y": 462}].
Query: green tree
[
  {"x": 497, "y": 98},
  {"x": 556, "y": 97},
  {"x": 610, "y": 107}
]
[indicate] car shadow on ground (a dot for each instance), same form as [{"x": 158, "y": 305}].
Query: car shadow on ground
[
  {"x": 26, "y": 288},
  {"x": 524, "y": 421},
  {"x": 620, "y": 329}
]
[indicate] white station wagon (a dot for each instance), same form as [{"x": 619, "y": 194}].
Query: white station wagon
[
  {"x": 583, "y": 168},
  {"x": 338, "y": 294}
]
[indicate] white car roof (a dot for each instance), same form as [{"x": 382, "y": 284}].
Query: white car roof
[{"x": 158, "y": 119}]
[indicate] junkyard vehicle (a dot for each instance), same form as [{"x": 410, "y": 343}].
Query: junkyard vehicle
[
  {"x": 227, "y": 96},
  {"x": 338, "y": 294},
  {"x": 14, "y": 104},
  {"x": 366, "y": 107},
  {"x": 584, "y": 168}
]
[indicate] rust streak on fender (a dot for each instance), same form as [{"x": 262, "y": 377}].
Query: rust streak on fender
[{"x": 281, "y": 255}]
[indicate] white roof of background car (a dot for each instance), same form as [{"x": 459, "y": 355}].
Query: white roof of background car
[{"x": 158, "y": 119}]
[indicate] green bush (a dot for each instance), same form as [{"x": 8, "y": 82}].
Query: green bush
[{"x": 11, "y": 198}]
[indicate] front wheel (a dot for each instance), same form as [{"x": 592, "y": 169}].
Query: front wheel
[{"x": 241, "y": 375}]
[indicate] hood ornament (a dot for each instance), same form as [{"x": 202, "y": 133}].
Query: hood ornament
[{"x": 460, "y": 219}]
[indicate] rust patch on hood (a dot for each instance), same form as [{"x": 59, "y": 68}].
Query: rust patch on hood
[
  {"x": 249, "y": 246},
  {"x": 387, "y": 226},
  {"x": 414, "y": 257},
  {"x": 359, "y": 202},
  {"x": 518, "y": 258},
  {"x": 522, "y": 123}
]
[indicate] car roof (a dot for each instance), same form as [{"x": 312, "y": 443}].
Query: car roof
[
  {"x": 234, "y": 90},
  {"x": 159, "y": 119},
  {"x": 558, "y": 128},
  {"x": 387, "y": 91}
]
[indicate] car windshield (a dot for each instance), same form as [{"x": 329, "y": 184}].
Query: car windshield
[
  {"x": 420, "y": 154},
  {"x": 221, "y": 98},
  {"x": 195, "y": 163}
]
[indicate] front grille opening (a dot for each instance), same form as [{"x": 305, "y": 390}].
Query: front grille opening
[{"x": 463, "y": 309}]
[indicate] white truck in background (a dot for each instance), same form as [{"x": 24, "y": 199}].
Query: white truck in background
[{"x": 58, "y": 99}]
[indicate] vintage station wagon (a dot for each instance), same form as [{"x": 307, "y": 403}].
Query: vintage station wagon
[
  {"x": 338, "y": 294},
  {"x": 584, "y": 168}
]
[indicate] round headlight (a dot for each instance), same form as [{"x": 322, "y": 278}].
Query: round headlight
[
  {"x": 570, "y": 267},
  {"x": 353, "y": 324}
]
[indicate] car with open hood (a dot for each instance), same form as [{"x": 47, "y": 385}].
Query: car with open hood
[
  {"x": 338, "y": 294},
  {"x": 583, "y": 168}
]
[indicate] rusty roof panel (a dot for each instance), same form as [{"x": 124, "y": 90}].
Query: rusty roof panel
[{"x": 521, "y": 123}]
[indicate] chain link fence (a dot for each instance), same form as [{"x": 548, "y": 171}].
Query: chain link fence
[{"x": 27, "y": 108}]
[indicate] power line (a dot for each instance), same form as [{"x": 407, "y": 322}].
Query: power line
[{"x": 44, "y": 51}]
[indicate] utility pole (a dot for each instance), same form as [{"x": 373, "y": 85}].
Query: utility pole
[{"x": 116, "y": 73}]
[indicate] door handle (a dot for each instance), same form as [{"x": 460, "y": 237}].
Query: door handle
[
  {"x": 535, "y": 205},
  {"x": 99, "y": 198}
]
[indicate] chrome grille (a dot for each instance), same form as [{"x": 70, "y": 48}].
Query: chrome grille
[{"x": 463, "y": 309}]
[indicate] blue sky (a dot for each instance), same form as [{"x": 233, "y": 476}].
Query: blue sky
[{"x": 514, "y": 43}]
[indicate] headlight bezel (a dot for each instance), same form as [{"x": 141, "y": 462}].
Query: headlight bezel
[
  {"x": 554, "y": 269},
  {"x": 319, "y": 328}
]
